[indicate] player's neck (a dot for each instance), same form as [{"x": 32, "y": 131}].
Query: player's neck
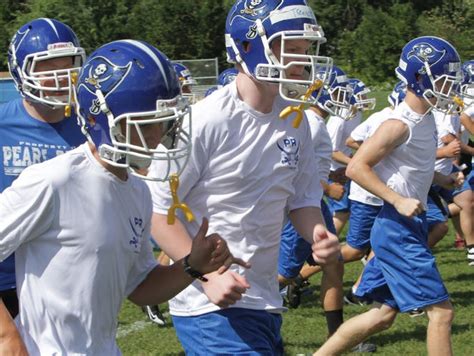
[
  {"x": 258, "y": 95},
  {"x": 119, "y": 172},
  {"x": 44, "y": 113},
  {"x": 416, "y": 103}
]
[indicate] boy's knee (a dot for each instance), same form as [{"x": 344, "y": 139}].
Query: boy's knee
[
  {"x": 383, "y": 319},
  {"x": 441, "y": 315}
]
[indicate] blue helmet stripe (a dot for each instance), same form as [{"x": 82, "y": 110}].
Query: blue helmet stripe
[{"x": 153, "y": 55}]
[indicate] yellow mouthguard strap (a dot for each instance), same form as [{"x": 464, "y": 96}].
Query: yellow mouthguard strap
[
  {"x": 458, "y": 101},
  {"x": 68, "y": 108},
  {"x": 174, "y": 184},
  {"x": 298, "y": 109}
]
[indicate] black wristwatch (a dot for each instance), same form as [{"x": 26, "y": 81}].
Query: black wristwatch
[{"x": 191, "y": 271}]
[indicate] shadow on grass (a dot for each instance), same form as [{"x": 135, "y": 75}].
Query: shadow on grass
[{"x": 462, "y": 298}]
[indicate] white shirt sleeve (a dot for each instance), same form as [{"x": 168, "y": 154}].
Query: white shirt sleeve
[
  {"x": 361, "y": 132},
  {"x": 308, "y": 190},
  {"x": 27, "y": 210},
  {"x": 144, "y": 264},
  {"x": 335, "y": 129}
]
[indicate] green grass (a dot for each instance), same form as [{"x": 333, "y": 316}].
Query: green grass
[{"x": 304, "y": 329}]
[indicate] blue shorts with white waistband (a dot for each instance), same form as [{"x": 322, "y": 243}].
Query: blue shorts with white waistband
[{"x": 403, "y": 273}]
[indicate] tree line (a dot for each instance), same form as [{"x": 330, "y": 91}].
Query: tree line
[{"x": 363, "y": 36}]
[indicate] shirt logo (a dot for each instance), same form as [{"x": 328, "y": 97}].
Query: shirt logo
[
  {"x": 136, "y": 225},
  {"x": 289, "y": 147}
]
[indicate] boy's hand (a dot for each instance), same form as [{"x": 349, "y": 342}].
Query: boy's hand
[{"x": 211, "y": 253}]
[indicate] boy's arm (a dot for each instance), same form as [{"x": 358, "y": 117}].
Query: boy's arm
[
  {"x": 208, "y": 254},
  {"x": 388, "y": 136},
  {"x": 10, "y": 340},
  {"x": 309, "y": 223}
]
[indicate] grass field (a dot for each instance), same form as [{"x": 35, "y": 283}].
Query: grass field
[{"x": 304, "y": 329}]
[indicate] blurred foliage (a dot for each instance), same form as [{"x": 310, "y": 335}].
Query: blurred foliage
[{"x": 363, "y": 36}]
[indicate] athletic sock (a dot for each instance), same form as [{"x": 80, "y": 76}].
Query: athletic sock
[{"x": 334, "y": 319}]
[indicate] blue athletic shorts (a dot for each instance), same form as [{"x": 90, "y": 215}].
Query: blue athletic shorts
[
  {"x": 434, "y": 215},
  {"x": 342, "y": 205},
  {"x": 361, "y": 221},
  {"x": 470, "y": 179},
  {"x": 232, "y": 331},
  {"x": 403, "y": 273},
  {"x": 295, "y": 250}
]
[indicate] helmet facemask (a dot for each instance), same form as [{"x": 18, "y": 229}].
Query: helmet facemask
[
  {"x": 174, "y": 115},
  {"x": 295, "y": 72},
  {"x": 444, "y": 89},
  {"x": 363, "y": 102},
  {"x": 60, "y": 93}
]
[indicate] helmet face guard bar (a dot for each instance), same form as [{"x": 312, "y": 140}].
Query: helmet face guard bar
[{"x": 58, "y": 88}]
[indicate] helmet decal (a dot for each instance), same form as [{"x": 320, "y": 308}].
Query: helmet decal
[
  {"x": 424, "y": 52},
  {"x": 105, "y": 76}
]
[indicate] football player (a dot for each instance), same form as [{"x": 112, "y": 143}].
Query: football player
[
  {"x": 397, "y": 164},
  {"x": 246, "y": 166},
  {"x": 41, "y": 56},
  {"x": 80, "y": 223}
]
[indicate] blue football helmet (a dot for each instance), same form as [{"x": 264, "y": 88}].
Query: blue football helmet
[
  {"x": 40, "y": 40},
  {"x": 252, "y": 26},
  {"x": 467, "y": 85},
  {"x": 124, "y": 86},
  {"x": 186, "y": 81},
  {"x": 431, "y": 68},
  {"x": 184, "y": 75},
  {"x": 210, "y": 91},
  {"x": 227, "y": 76},
  {"x": 336, "y": 97},
  {"x": 398, "y": 94},
  {"x": 360, "y": 92}
]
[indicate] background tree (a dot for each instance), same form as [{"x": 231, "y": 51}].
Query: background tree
[{"x": 363, "y": 36}]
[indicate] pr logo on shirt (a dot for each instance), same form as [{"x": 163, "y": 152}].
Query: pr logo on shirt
[
  {"x": 136, "y": 224},
  {"x": 289, "y": 147}
]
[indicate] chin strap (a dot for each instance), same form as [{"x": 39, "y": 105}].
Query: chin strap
[
  {"x": 174, "y": 184},
  {"x": 298, "y": 109}
]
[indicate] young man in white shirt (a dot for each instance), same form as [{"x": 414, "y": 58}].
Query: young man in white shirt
[
  {"x": 80, "y": 223},
  {"x": 246, "y": 166},
  {"x": 397, "y": 164},
  {"x": 35, "y": 127}
]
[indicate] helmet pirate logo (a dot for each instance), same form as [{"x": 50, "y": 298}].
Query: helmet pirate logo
[
  {"x": 104, "y": 76},
  {"x": 251, "y": 7},
  {"x": 426, "y": 53}
]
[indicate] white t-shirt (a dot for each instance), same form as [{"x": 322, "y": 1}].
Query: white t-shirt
[
  {"x": 339, "y": 130},
  {"x": 409, "y": 168},
  {"x": 81, "y": 242},
  {"x": 465, "y": 135},
  {"x": 244, "y": 169},
  {"x": 322, "y": 143},
  {"x": 445, "y": 125},
  {"x": 362, "y": 133}
]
